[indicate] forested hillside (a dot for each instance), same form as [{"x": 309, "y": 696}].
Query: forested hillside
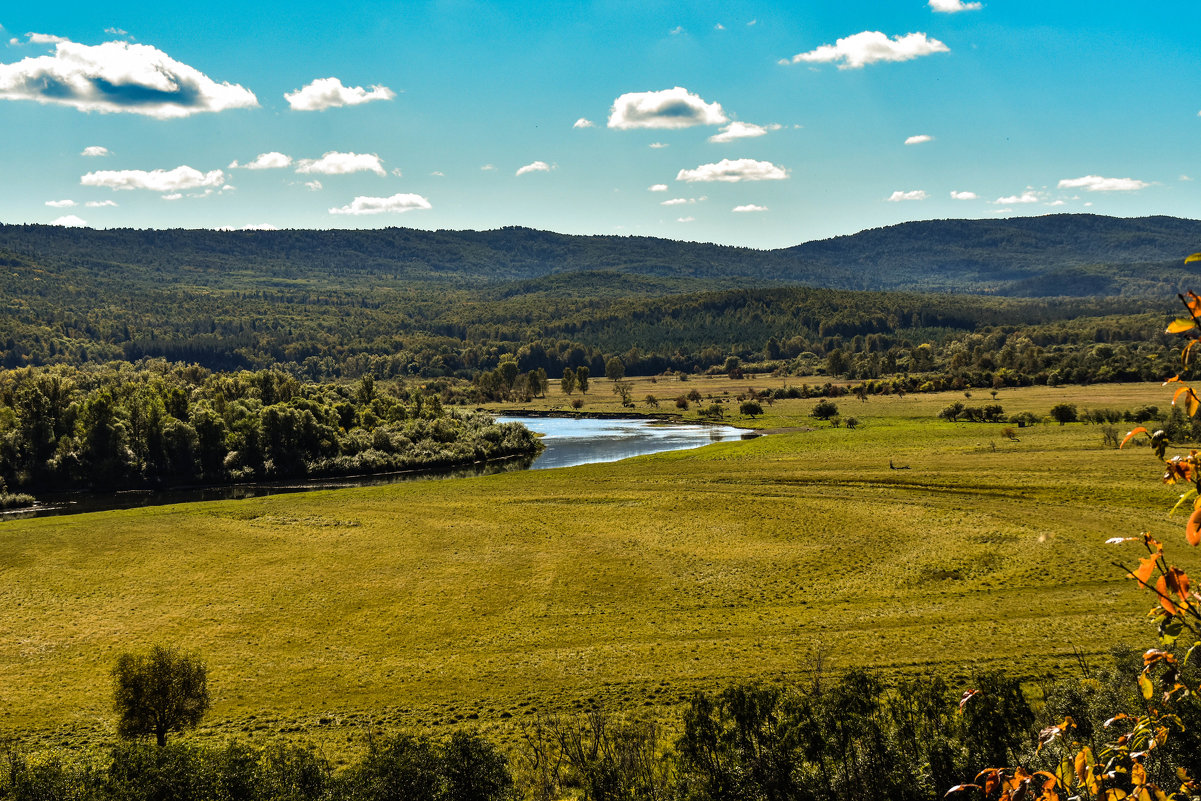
[{"x": 398, "y": 302}]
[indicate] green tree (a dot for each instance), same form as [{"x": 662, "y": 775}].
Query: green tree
[
  {"x": 825, "y": 409},
  {"x": 615, "y": 369},
  {"x": 568, "y": 382},
  {"x": 1064, "y": 413},
  {"x": 750, "y": 408},
  {"x": 581, "y": 378},
  {"x": 160, "y": 692}
]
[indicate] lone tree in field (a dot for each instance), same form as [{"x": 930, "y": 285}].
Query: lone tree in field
[{"x": 159, "y": 692}]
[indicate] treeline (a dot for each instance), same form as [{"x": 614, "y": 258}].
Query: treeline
[
  {"x": 823, "y": 739},
  {"x": 155, "y": 424}
]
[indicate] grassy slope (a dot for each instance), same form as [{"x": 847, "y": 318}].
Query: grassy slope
[{"x": 633, "y": 582}]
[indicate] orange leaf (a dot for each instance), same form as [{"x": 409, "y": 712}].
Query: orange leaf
[
  {"x": 1192, "y": 531},
  {"x": 1180, "y": 325},
  {"x": 1132, "y": 434},
  {"x": 1138, "y": 774},
  {"x": 967, "y": 696},
  {"x": 1146, "y": 566},
  {"x": 1162, "y": 587}
]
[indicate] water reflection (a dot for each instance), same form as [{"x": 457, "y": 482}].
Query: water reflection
[{"x": 571, "y": 441}]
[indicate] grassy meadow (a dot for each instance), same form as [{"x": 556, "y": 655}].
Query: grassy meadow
[{"x": 630, "y": 584}]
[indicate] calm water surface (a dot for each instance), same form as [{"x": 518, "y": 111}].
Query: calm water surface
[
  {"x": 568, "y": 441},
  {"x": 571, "y": 442}
]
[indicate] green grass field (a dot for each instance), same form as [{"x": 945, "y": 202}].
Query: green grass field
[{"x": 631, "y": 583}]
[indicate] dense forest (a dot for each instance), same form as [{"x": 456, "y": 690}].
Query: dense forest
[
  {"x": 395, "y": 303},
  {"x": 117, "y": 427}
]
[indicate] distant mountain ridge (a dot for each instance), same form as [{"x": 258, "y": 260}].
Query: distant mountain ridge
[{"x": 1049, "y": 256}]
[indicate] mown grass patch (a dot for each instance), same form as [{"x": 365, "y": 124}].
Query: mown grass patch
[{"x": 630, "y": 584}]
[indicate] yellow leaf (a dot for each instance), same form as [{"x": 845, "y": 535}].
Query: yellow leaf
[
  {"x": 1144, "y": 684},
  {"x": 1192, "y": 258},
  {"x": 1180, "y": 325}
]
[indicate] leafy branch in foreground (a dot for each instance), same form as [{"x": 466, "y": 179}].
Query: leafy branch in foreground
[{"x": 1122, "y": 768}]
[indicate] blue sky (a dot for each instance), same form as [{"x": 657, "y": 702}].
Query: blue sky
[{"x": 762, "y": 124}]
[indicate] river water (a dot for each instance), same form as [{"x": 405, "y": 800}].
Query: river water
[{"x": 568, "y": 441}]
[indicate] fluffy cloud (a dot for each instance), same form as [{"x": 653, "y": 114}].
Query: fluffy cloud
[
  {"x": 668, "y": 108},
  {"x": 963, "y": 195},
  {"x": 657, "y": 188},
  {"x": 265, "y": 161},
  {"x": 100, "y": 204},
  {"x": 951, "y": 6},
  {"x": 335, "y": 163},
  {"x": 733, "y": 171},
  {"x": 174, "y": 180},
  {"x": 95, "y": 151},
  {"x": 119, "y": 77},
  {"x": 748, "y": 208},
  {"x": 919, "y": 139},
  {"x": 70, "y": 221},
  {"x": 658, "y": 145},
  {"x": 315, "y": 186},
  {"x": 868, "y": 47},
  {"x": 536, "y": 166},
  {"x": 1029, "y": 196},
  {"x": 326, "y": 93},
  {"x": 1095, "y": 183},
  {"x": 583, "y": 122},
  {"x": 677, "y": 201},
  {"x": 61, "y": 204},
  {"x": 397, "y": 204},
  {"x": 916, "y": 194},
  {"x": 742, "y": 130}
]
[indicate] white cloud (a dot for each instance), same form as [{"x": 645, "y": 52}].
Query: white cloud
[
  {"x": 1184, "y": 177},
  {"x": 583, "y": 122},
  {"x": 1057, "y": 203},
  {"x": 658, "y": 145},
  {"x": 335, "y": 163},
  {"x": 265, "y": 161},
  {"x": 488, "y": 167},
  {"x": 742, "y": 130},
  {"x": 99, "y": 204},
  {"x": 1029, "y": 196},
  {"x": 748, "y": 208},
  {"x": 1095, "y": 183},
  {"x": 61, "y": 204},
  {"x": 719, "y": 27},
  {"x": 313, "y": 185},
  {"x": 95, "y": 151},
  {"x": 45, "y": 38},
  {"x": 919, "y": 139},
  {"x": 174, "y": 180},
  {"x": 733, "y": 171},
  {"x": 677, "y": 201},
  {"x": 956, "y": 195},
  {"x": 657, "y": 188},
  {"x": 667, "y": 108},
  {"x": 869, "y": 47},
  {"x": 326, "y": 93},
  {"x": 676, "y": 31},
  {"x": 173, "y": 196},
  {"x": 915, "y": 194},
  {"x": 119, "y": 77},
  {"x": 70, "y": 221},
  {"x": 951, "y": 6},
  {"x": 686, "y": 219},
  {"x": 438, "y": 174},
  {"x": 536, "y": 166},
  {"x": 397, "y": 204},
  {"x": 116, "y": 32}
]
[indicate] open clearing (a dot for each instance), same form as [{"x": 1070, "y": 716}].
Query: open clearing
[{"x": 631, "y": 583}]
